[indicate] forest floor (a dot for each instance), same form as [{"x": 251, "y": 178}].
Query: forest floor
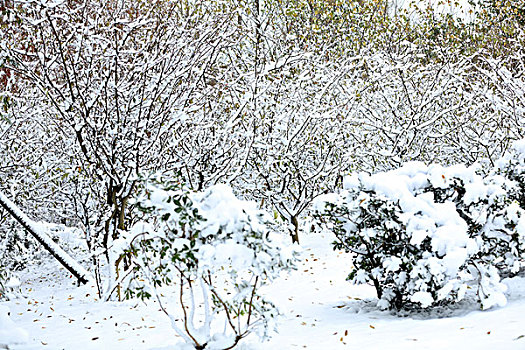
[{"x": 321, "y": 310}]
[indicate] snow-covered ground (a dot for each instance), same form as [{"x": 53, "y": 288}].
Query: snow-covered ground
[{"x": 321, "y": 311}]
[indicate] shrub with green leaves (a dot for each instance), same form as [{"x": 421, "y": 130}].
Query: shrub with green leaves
[
  {"x": 207, "y": 253},
  {"x": 422, "y": 235},
  {"x": 409, "y": 247}
]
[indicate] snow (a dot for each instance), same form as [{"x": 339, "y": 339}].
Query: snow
[
  {"x": 519, "y": 146},
  {"x": 392, "y": 263},
  {"x": 424, "y": 298},
  {"x": 9, "y": 332},
  {"x": 320, "y": 311},
  {"x": 199, "y": 102},
  {"x": 221, "y": 208},
  {"x": 230, "y": 253},
  {"x": 13, "y": 283}
]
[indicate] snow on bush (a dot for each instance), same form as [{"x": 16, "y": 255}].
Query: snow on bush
[
  {"x": 215, "y": 250},
  {"x": 423, "y": 234},
  {"x": 9, "y": 284},
  {"x": 512, "y": 167}
]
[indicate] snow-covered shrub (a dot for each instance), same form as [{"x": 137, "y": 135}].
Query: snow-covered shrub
[
  {"x": 494, "y": 208},
  {"x": 17, "y": 247},
  {"x": 496, "y": 221},
  {"x": 506, "y": 209},
  {"x": 213, "y": 251},
  {"x": 422, "y": 234},
  {"x": 9, "y": 285}
]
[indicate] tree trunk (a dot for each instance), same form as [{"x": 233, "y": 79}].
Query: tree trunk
[{"x": 295, "y": 232}]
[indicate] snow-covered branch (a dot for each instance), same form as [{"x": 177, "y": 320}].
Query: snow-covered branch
[{"x": 53, "y": 248}]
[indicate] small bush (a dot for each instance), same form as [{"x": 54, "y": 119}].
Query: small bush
[
  {"x": 211, "y": 249},
  {"x": 423, "y": 234}
]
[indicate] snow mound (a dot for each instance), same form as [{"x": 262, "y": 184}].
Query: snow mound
[{"x": 9, "y": 332}]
